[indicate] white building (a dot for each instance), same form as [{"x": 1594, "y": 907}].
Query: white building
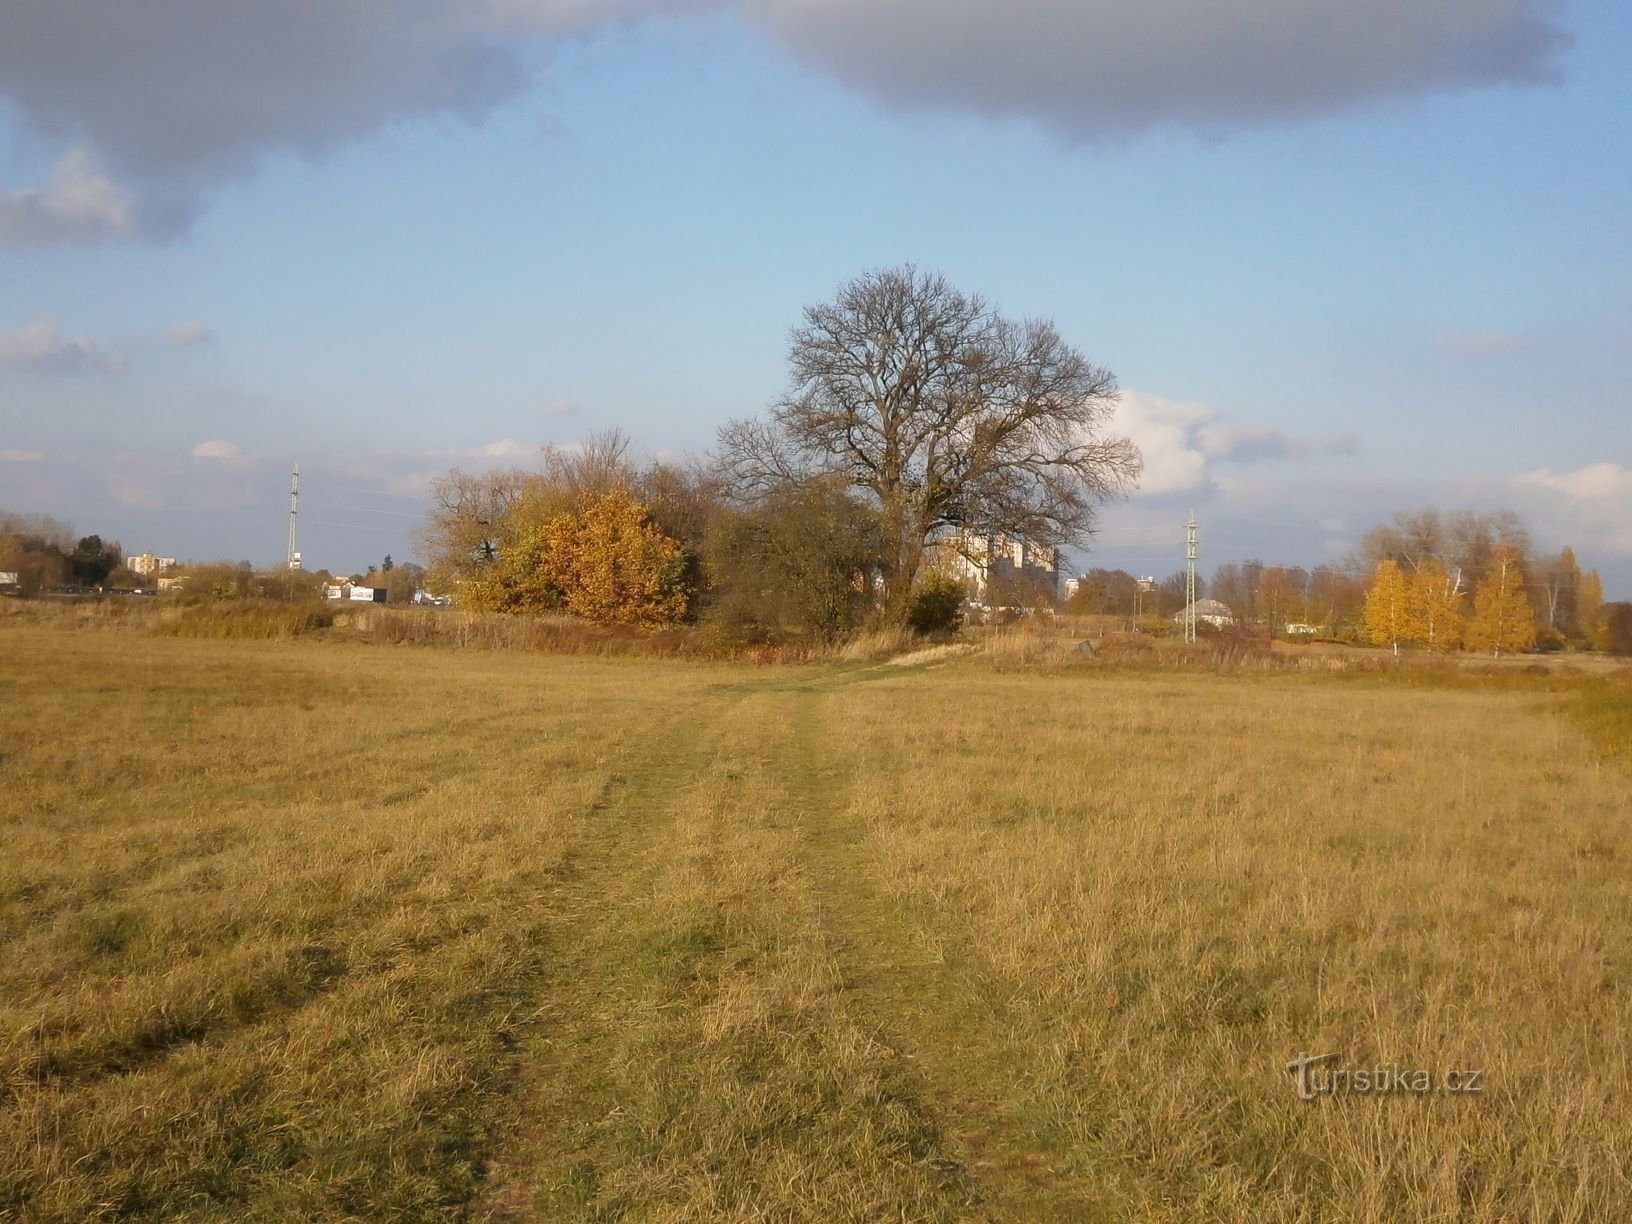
[
  {"x": 148, "y": 565},
  {"x": 981, "y": 560}
]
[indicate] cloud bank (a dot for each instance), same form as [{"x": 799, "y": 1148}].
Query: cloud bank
[{"x": 179, "y": 95}]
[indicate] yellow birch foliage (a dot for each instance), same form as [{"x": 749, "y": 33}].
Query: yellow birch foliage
[
  {"x": 1389, "y": 612},
  {"x": 1436, "y": 607},
  {"x": 1502, "y": 620}
]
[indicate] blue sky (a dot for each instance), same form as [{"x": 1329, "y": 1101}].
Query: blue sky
[{"x": 1340, "y": 269}]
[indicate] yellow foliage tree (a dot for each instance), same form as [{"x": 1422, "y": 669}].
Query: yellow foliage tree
[
  {"x": 1502, "y": 619},
  {"x": 1390, "y": 618},
  {"x": 1436, "y": 607},
  {"x": 606, "y": 562},
  {"x": 613, "y": 565},
  {"x": 1589, "y": 603}
]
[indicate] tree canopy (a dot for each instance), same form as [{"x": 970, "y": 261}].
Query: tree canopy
[{"x": 945, "y": 415}]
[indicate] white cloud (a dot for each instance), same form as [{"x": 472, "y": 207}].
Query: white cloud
[
  {"x": 216, "y": 448},
  {"x": 41, "y": 348},
  {"x": 1592, "y": 504},
  {"x": 21, "y": 456},
  {"x": 508, "y": 448},
  {"x": 1596, "y": 481},
  {"x": 76, "y": 204},
  {"x": 1165, "y": 431},
  {"x": 191, "y": 334},
  {"x": 1184, "y": 443}
]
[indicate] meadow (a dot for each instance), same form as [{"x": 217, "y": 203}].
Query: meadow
[{"x": 328, "y": 930}]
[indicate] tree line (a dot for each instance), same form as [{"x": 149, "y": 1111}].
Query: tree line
[
  {"x": 1428, "y": 579},
  {"x": 44, "y": 554},
  {"x": 918, "y": 419}
]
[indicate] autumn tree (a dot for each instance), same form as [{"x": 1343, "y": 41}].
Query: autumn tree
[
  {"x": 1589, "y": 602},
  {"x": 35, "y": 547},
  {"x": 1335, "y": 600},
  {"x": 796, "y": 561},
  {"x": 1389, "y": 619},
  {"x": 614, "y": 565},
  {"x": 1279, "y": 596},
  {"x": 1502, "y": 619},
  {"x": 476, "y": 517},
  {"x": 945, "y": 416},
  {"x": 1436, "y": 606},
  {"x": 605, "y": 561},
  {"x": 1464, "y": 541},
  {"x": 1113, "y": 592},
  {"x": 1558, "y": 589},
  {"x": 1615, "y": 632}
]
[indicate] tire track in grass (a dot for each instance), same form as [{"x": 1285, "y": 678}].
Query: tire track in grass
[
  {"x": 922, "y": 1001},
  {"x": 693, "y": 1055}
]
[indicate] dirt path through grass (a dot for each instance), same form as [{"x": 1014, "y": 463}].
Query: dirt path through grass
[
  {"x": 697, "y": 1053},
  {"x": 740, "y": 1025},
  {"x": 922, "y": 996}
]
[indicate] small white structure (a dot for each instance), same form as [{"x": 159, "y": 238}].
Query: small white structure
[
  {"x": 354, "y": 592},
  {"x": 1216, "y": 614},
  {"x": 1299, "y": 629}
]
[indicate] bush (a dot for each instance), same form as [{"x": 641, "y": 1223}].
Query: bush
[
  {"x": 1549, "y": 641},
  {"x": 937, "y": 604}
]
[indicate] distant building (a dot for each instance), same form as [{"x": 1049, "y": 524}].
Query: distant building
[
  {"x": 354, "y": 592},
  {"x": 1299, "y": 629},
  {"x": 148, "y": 565},
  {"x": 1006, "y": 563},
  {"x": 10, "y": 580},
  {"x": 1210, "y": 610}
]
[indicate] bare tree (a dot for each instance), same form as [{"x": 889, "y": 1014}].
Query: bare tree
[{"x": 945, "y": 415}]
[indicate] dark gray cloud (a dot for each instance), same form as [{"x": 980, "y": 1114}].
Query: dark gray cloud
[
  {"x": 179, "y": 94},
  {"x": 1091, "y": 68},
  {"x": 167, "y": 87}
]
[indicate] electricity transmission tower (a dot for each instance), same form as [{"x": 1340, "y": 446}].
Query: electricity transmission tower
[
  {"x": 294, "y": 506},
  {"x": 1190, "y": 579}
]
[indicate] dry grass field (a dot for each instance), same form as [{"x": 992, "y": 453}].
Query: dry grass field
[{"x": 313, "y": 930}]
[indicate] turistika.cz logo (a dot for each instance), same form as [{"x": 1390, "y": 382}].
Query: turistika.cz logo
[{"x": 1317, "y": 1076}]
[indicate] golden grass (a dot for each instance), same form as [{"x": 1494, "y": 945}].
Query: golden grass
[{"x": 314, "y": 930}]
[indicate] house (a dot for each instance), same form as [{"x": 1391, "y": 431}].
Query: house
[{"x": 1214, "y": 613}]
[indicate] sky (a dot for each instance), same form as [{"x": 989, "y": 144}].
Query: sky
[{"x": 1345, "y": 259}]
